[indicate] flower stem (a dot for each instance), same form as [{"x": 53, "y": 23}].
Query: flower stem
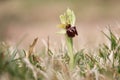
[{"x": 69, "y": 42}]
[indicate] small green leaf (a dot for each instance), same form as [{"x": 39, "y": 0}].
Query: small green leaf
[{"x": 78, "y": 56}]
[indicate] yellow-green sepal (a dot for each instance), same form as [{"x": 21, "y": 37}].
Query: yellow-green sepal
[{"x": 63, "y": 26}]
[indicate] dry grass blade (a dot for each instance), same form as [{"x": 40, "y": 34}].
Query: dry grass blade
[{"x": 31, "y": 47}]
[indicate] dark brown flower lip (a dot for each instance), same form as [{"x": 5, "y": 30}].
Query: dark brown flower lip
[{"x": 71, "y": 31}]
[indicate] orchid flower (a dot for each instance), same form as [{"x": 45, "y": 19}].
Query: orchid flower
[{"x": 68, "y": 28}]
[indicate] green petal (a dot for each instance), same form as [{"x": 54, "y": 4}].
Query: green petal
[
  {"x": 63, "y": 19},
  {"x": 68, "y": 17},
  {"x": 63, "y": 31},
  {"x": 71, "y": 17}
]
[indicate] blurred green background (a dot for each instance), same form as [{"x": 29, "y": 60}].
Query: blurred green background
[{"x": 38, "y": 18}]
